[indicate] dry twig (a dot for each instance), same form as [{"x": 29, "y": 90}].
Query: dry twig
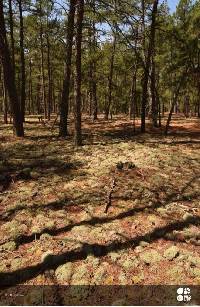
[{"x": 110, "y": 193}]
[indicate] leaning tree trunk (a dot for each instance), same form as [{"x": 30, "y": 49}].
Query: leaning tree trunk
[
  {"x": 22, "y": 60},
  {"x": 78, "y": 73},
  {"x": 9, "y": 77},
  {"x": 64, "y": 103}
]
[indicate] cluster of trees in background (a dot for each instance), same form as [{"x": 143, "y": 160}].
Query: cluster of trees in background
[{"x": 98, "y": 56}]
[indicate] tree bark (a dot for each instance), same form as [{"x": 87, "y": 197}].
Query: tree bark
[
  {"x": 12, "y": 34},
  {"x": 42, "y": 65},
  {"x": 22, "y": 60},
  {"x": 154, "y": 105},
  {"x": 147, "y": 67},
  {"x": 4, "y": 98},
  {"x": 94, "y": 64},
  {"x": 110, "y": 80},
  {"x": 173, "y": 104},
  {"x": 64, "y": 103},
  {"x": 133, "y": 93},
  {"x": 30, "y": 91},
  {"x": 5, "y": 105},
  {"x": 9, "y": 77},
  {"x": 49, "y": 97},
  {"x": 78, "y": 73}
]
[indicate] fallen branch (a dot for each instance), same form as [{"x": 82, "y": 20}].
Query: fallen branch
[
  {"x": 109, "y": 197},
  {"x": 140, "y": 173},
  {"x": 55, "y": 121}
]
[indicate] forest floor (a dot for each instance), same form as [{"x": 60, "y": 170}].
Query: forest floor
[{"x": 53, "y": 225}]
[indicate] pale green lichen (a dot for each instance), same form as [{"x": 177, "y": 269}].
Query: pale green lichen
[
  {"x": 123, "y": 279},
  {"x": 16, "y": 264},
  {"x": 81, "y": 276},
  {"x": 99, "y": 276},
  {"x": 9, "y": 246},
  {"x": 64, "y": 272},
  {"x": 194, "y": 261},
  {"x": 171, "y": 253},
  {"x": 150, "y": 257},
  {"x": 129, "y": 263},
  {"x": 14, "y": 229},
  {"x": 195, "y": 272},
  {"x": 93, "y": 261},
  {"x": 114, "y": 256}
]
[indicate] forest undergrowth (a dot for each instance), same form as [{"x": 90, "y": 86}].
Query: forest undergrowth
[{"x": 53, "y": 225}]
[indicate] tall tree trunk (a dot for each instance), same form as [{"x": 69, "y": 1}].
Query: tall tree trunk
[
  {"x": 12, "y": 34},
  {"x": 174, "y": 102},
  {"x": 159, "y": 108},
  {"x": 95, "y": 102},
  {"x": 143, "y": 29},
  {"x": 42, "y": 64},
  {"x": 30, "y": 92},
  {"x": 133, "y": 93},
  {"x": 64, "y": 103},
  {"x": 53, "y": 93},
  {"x": 94, "y": 64},
  {"x": 22, "y": 60},
  {"x": 49, "y": 97},
  {"x": 38, "y": 95},
  {"x": 9, "y": 77},
  {"x": 110, "y": 79},
  {"x": 78, "y": 73},
  {"x": 154, "y": 105},
  {"x": 4, "y": 98},
  {"x": 198, "y": 106},
  {"x": 147, "y": 67},
  {"x": 5, "y": 104}
]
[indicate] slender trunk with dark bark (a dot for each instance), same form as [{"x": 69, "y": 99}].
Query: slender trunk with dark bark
[
  {"x": 78, "y": 73},
  {"x": 154, "y": 105},
  {"x": 49, "y": 97},
  {"x": 174, "y": 102},
  {"x": 147, "y": 67},
  {"x": 9, "y": 77},
  {"x": 94, "y": 68},
  {"x": 133, "y": 93},
  {"x": 22, "y": 60},
  {"x": 42, "y": 65},
  {"x": 4, "y": 98},
  {"x": 110, "y": 80},
  {"x": 30, "y": 91},
  {"x": 5, "y": 105},
  {"x": 12, "y": 41},
  {"x": 64, "y": 103}
]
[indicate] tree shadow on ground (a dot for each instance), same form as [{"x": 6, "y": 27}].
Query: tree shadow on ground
[
  {"x": 64, "y": 203},
  {"x": 44, "y": 167},
  {"x": 24, "y": 239},
  {"x": 121, "y": 130},
  {"x": 17, "y": 159},
  {"x": 98, "y": 250}
]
